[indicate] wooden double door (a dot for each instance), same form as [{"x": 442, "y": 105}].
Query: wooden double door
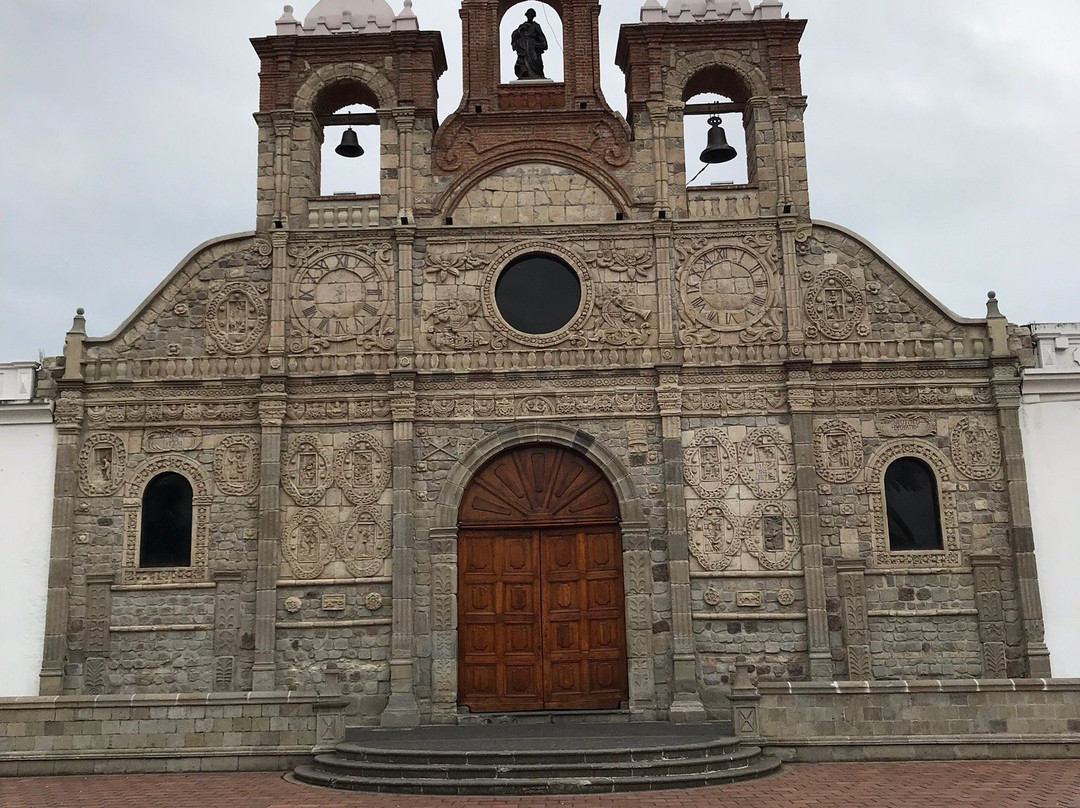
[{"x": 541, "y": 621}]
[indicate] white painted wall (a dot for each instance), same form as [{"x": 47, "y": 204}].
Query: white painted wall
[
  {"x": 27, "y": 464},
  {"x": 1050, "y": 424}
]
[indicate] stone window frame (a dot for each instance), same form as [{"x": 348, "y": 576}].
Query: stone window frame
[
  {"x": 197, "y": 477},
  {"x": 883, "y": 556}
]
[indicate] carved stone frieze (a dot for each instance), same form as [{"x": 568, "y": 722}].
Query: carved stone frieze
[
  {"x": 363, "y": 543},
  {"x": 737, "y": 401},
  {"x": 101, "y": 464},
  {"x": 865, "y": 397},
  {"x": 714, "y": 535},
  {"x": 771, "y": 535},
  {"x": 976, "y": 449},
  {"x": 160, "y": 441},
  {"x": 236, "y": 465},
  {"x": 306, "y": 471},
  {"x": 236, "y": 318},
  {"x": 834, "y": 305},
  {"x": 362, "y": 469},
  {"x": 767, "y": 463},
  {"x": 711, "y": 463},
  {"x": 507, "y": 407},
  {"x": 307, "y": 543},
  {"x": 838, "y": 451},
  {"x": 338, "y": 410},
  {"x": 152, "y": 412}
]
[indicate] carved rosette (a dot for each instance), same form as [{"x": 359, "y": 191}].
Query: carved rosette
[
  {"x": 838, "y": 451},
  {"x": 976, "y": 450},
  {"x": 834, "y": 304},
  {"x": 307, "y": 544},
  {"x": 714, "y": 536},
  {"x": 364, "y": 542},
  {"x": 767, "y": 463},
  {"x": 710, "y": 464},
  {"x": 362, "y": 469},
  {"x": 236, "y": 317},
  {"x": 236, "y": 465},
  {"x": 771, "y": 535},
  {"x": 305, "y": 472},
  {"x": 101, "y": 464}
]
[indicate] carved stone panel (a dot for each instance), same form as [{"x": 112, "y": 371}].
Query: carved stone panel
[
  {"x": 905, "y": 425},
  {"x": 727, "y": 289},
  {"x": 362, "y": 469},
  {"x": 838, "y": 451},
  {"x": 101, "y": 464},
  {"x": 834, "y": 304},
  {"x": 710, "y": 464},
  {"x": 767, "y": 463},
  {"x": 236, "y": 318},
  {"x": 976, "y": 450},
  {"x": 159, "y": 441},
  {"x": 771, "y": 535},
  {"x": 306, "y": 471},
  {"x": 236, "y": 465},
  {"x": 363, "y": 542},
  {"x": 307, "y": 544},
  {"x": 714, "y": 535}
]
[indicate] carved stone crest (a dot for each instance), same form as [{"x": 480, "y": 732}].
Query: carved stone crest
[
  {"x": 976, "y": 450},
  {"x": 838, "y": 451},
  {"x": 362, "y": 469},
  {"x": 236, "y": 318},
  {"x": 710, "y": 464},
  {"x": 771, "y": 535},
  {"x": 767, "y": 463},
  {"x": 834, "y": 304},
  {"x": 364, "y": 542},
  {"x": 305, "y": 471},
  {"x": 101, "y": 464},
  {"x": 714, "y": 538},
  {"x": 307, "y": 544},
  {"x": 236, "y": 465}
]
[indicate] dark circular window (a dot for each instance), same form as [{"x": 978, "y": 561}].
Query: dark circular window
[{"x": 538, "y": 294}]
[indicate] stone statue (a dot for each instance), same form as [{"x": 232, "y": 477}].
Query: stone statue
[{"x": 530, "y": 43}]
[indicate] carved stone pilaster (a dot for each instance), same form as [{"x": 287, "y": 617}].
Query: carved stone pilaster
[
  {"x": 745, "y": 699},
  {"x": 986, "y": 570},
  {"x": 226, "y": 629},
  {"x": 443, "y": 544},
  {"x": 98, "y": 610},
  {"x": 852, "y": 575},
  {"x": 272, "y": 418}
]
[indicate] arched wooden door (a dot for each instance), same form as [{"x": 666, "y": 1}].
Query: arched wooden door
[{"x": 541, "y": 623}]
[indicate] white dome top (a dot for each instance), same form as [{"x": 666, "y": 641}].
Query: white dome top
[
  {"x": 710, "y": 10},
  {"x": 359, "y": 12}
]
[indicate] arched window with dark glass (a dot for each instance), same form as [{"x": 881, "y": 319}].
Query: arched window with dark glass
[
  {"x": 165, "y": 539},
  {"x": 911, "y": 500}
]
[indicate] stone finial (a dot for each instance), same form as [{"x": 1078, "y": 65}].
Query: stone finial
[
  {"x": 992, "y": 308},
  {"x": 997, "y": 325},
  {"x": 74, "y": 348},
  {"x": 652, "y": 11},
  {"x": 770, "y": 10},
  {"x": 288, "y": 25},
  {"x": 406, "y": 20},
  {"x": 742, "y": 683}
]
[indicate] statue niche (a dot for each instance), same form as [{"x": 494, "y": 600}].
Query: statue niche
[{"x": 529, "y": 42}]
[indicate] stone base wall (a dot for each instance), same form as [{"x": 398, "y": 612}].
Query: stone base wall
[
  {"x": 165, "y": 733},
  {"x": 915, "y": 720}
]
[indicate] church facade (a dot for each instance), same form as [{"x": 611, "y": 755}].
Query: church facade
[{"x": 538, "y": 427}]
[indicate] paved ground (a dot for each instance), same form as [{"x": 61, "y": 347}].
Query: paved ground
[{"x": 1021, "y": 784}]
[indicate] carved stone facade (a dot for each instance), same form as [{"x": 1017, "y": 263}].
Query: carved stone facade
[{"x": 745, "y": 377}]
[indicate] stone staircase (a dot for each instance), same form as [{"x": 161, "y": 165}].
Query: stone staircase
[{"x": 536, "y": 758}]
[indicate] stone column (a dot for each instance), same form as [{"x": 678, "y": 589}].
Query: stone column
[
  {"x": 405, "y": 119},
  {"x": 852, "y": 574},
  {"x": 686, "y": 704},
  {"x": 986, "y": 570},
  {"x": 402, "y": 709},
  {"x": 272, "y": 419},
  {"x": 658, "y": 114},
  {"x": 226, "y": 629},
  {"x": 801, "y": 402},
  {"x": 443, "y": 543},
  {"x": 665, "y": 282},
  {"x": 98, "y": 612}
]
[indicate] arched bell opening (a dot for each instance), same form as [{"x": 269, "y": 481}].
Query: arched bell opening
[
  {"x": 541, "y": 614},
  {"x": 715, "y": 141},
  {"x": 349, "y": 137},
  {"x": 547, "y": 20}
]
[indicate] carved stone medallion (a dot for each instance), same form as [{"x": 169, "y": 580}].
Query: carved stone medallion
[
  {"x": 236, "y": 465},
  {"x": 364, "y": 542},
  {"x": 834, "y": 304},
  {"x": 339, "y": 297},
  {"x": 725, "y": 289},
  {"x": 307, "y": 544},
  {"x": 305, "y": 473},
  {"x": 771, "y": 535},
  {"x": 373, "y": 601},
  {"x": 766, "y": 463},
  {"x": 710, "y": 464},
  {"x": 236, "y": 318},
  {"x": 838, "y": 451},
  {"x": 714, "y": 536},
  {"x": 976, "y": 450},
  {"x": 101, "y": 464},
  {"x": 362, "y": 469}
]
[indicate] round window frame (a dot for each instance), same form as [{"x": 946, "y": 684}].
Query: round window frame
[{"x": 538, "y": 249}]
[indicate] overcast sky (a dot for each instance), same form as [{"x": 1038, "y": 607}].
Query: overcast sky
[{"x": 947, "y": 133}]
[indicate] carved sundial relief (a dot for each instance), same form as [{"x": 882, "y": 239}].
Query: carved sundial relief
[
  {"x": 838, "y": 451},
  {"x": 362, "y": 469},
  {"x": 714, "y": 536},
  {"x": 728, "y": 290},
  {"x": 236, "y": 465},
  {"x": 976, "y": 449},
  {"x": 307, "y": 544},
  {"x": 771, "y": 535},
  {"x": 835, "y": 305},
  {"x": 306, "y": 471},
  {"x": 236, "y": 317},
  {"x": 767, "y": 463},
  {"x": 339, "y": 297},
  {"x": 101, "y": 464},
  {"x": 363, "y": 543},
  {"x": 710, "y": 463}
]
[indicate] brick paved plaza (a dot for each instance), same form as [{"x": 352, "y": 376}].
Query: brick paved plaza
[{"x": 1012, "y": 784}]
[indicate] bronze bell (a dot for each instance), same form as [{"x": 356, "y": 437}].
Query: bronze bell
[
  {"x": 350, "y": 145},
  {"x": 718, "y": 150}
]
